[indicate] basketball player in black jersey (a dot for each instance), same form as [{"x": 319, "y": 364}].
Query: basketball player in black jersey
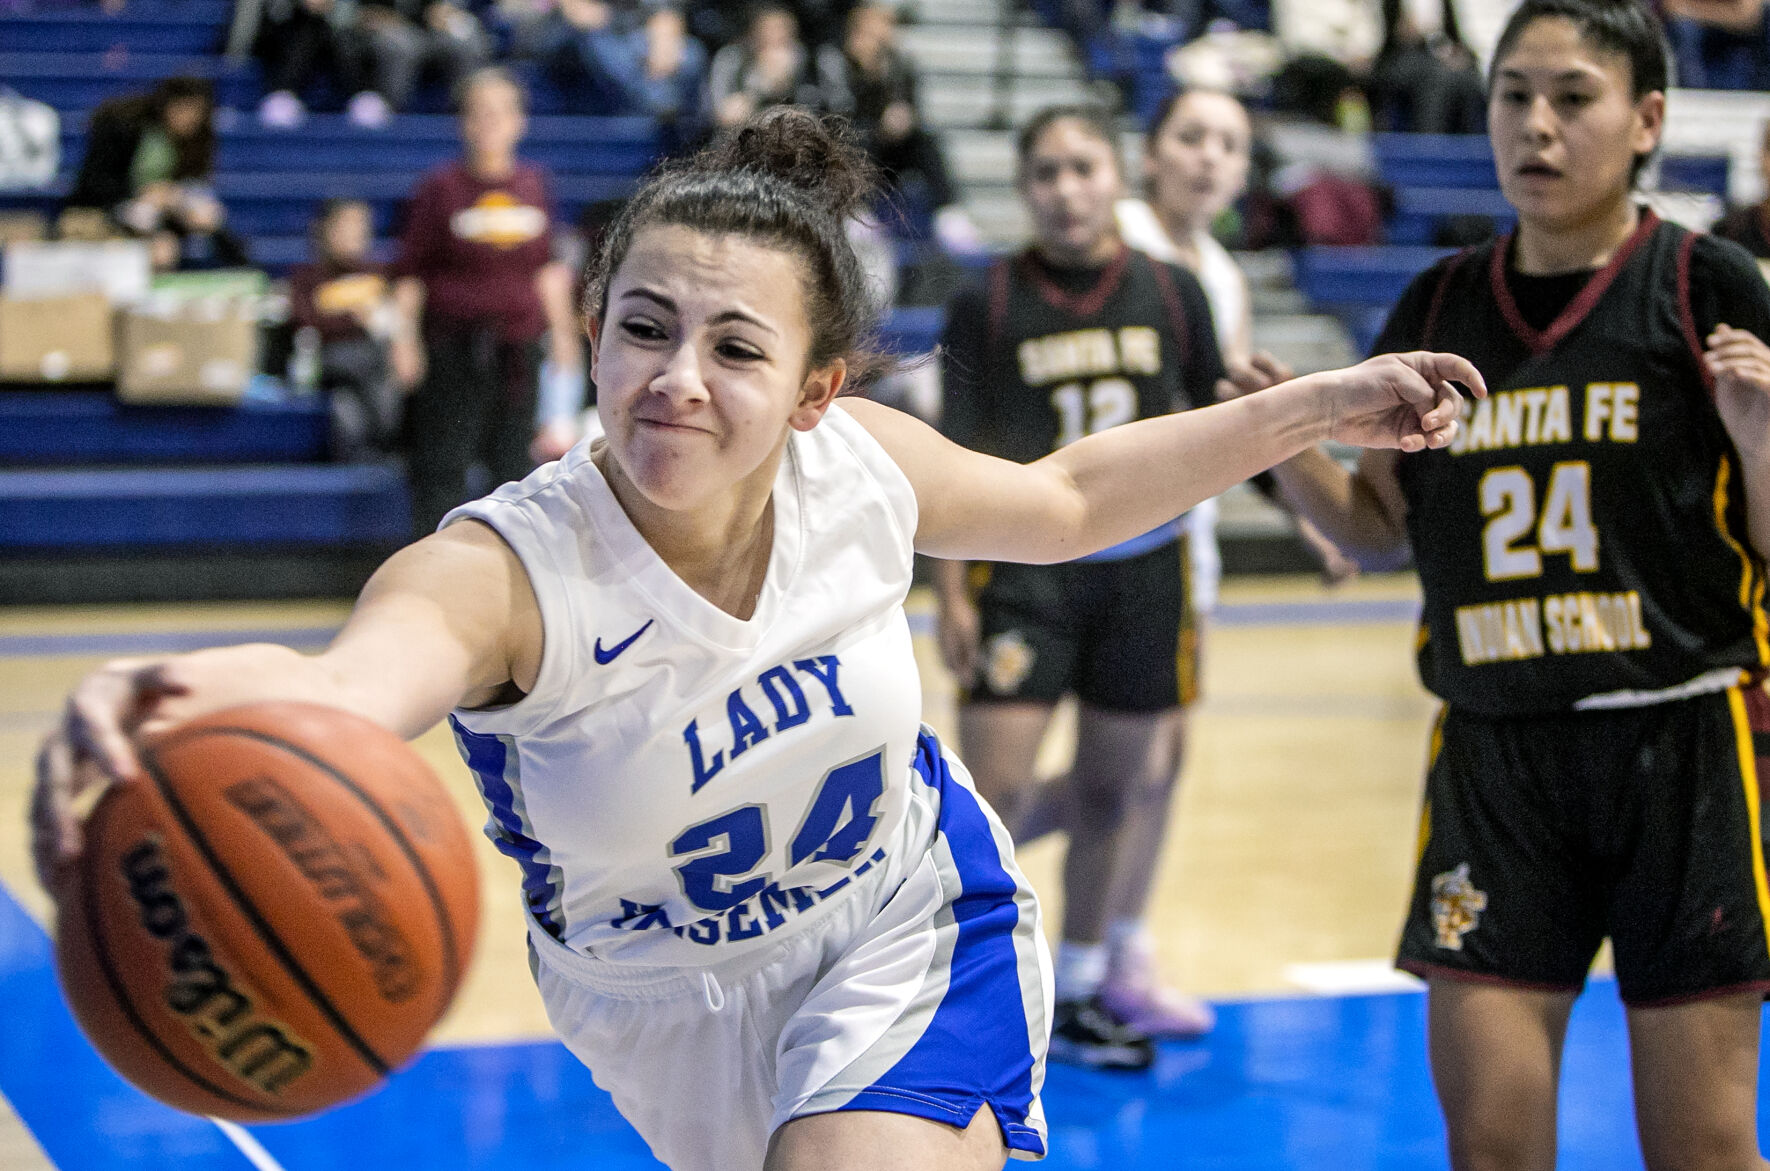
[
  {"x": 1076, "y": 335},
  {"x": 1592, "y": 555}
]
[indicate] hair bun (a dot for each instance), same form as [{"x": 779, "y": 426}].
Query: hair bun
[{"x": 817, "y": 155}]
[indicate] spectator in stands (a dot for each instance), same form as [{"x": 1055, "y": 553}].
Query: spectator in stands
[
  {"x": 477, "y": 291},
  {"x": 297, "y": 44},
  {"x": 1719, "y": 44},
  {"x": 768, "y": 67},
  {"x": 869, "y": 81},
  {"x": 1749, "y": 227},
  {"x": 636, "y": 55},
  {"x": 341, "y": 295},
  {"x": 1331, "y": 46},
  {"x": 1425, "y": 78},
  {"x": 148, "y": 163},
  {"x": 392, "y": 44}
]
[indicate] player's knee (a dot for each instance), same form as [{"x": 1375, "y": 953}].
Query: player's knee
[
  {"x": 1496, "y": 1143},
  {"x": 1099, "y": 807},
  {"x": 1702, "y": 1144}
]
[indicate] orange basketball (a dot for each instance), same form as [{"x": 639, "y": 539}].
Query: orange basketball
[{"x": 274, "y": 920}]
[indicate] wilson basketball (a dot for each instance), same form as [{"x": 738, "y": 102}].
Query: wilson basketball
[{"x": 274, "y": 920}]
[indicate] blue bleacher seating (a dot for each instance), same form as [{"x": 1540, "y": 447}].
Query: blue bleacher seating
[
  {"x": 48, "y": 428},
  {"x": 912, "y": 330},
  {"x": 89, "y": 31},
  {"x": 273, "y": 505},
  {"x": 80, "y": 81},
  {"x": 1334, "y": 276},
  {"x": 1435, "y": 160},
  {"x": 565, "y": 145},
  {"x": 1420, "y": 210}
]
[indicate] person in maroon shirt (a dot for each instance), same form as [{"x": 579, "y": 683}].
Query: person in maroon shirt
[
  {"x": 341, "y": 296},
  {"x": 477, "y": 291}
]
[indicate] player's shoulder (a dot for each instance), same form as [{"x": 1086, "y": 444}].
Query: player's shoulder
[{"x": 1724, "y": 263}]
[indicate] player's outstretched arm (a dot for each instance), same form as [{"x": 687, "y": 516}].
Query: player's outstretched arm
[
  {"x": 450, "y": 620},
  {"x": 1120, "y": 483}
]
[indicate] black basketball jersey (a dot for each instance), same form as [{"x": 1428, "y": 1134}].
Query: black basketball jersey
[
  {"x": 1583, "y": 540},
  {"x": 1038, "y": 356}
]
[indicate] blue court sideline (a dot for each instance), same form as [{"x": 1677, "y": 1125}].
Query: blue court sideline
[{"x": 1305, "y": 1084}]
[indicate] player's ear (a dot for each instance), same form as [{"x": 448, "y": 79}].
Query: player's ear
[
  {"x": 819, "y": 390},
  {"x": 593, "y": 330},
  {"x": 1650, "y": 121}
]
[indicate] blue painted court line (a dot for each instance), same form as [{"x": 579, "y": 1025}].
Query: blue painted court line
[
  {"x": 157, "y": 642},
  {"x": 313, "y": 637},
  {"x": 1301, "y": 1084},
  {"x": 1335, "y": 613}
]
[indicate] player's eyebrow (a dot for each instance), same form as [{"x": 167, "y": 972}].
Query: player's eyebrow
[
  {"x": 1566, "y": 75},
  {"x": 669, "y": 306}
]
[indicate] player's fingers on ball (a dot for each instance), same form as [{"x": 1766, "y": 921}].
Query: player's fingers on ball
[
  {"x": 95, "y": 718},
  {"x": 55, "y": 833}
]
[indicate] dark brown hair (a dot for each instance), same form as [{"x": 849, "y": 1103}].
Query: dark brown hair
[
  {"x": 786, "y": 178},
  {"x": 1097, "y": 120},
  {"x": 195, "y": 154}
]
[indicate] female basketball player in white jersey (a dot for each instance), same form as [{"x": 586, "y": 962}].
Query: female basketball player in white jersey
[
  {"x": 1592, "y": 559},
  {"x": 765, "y": 909}
]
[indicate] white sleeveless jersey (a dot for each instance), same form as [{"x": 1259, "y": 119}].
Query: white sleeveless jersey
[
  {"x": 1227, "y": 294},
  {"x": 682, "y": 786},
  {"x": 1217, "y": 272}
]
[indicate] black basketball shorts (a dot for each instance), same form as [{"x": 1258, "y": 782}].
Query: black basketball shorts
[
  {"x": 1118, "y": 634},
  {"x": 1542, "y": 835}
]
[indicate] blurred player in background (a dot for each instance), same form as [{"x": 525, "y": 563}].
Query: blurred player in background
[{"x": 1076, "y": 335}]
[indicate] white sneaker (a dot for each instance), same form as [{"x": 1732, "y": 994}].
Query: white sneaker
[
  {"x": 368, "y": 110},
  {"x": 281, "y": 110}
]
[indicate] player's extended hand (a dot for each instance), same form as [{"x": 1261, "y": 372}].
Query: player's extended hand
[
  {"x": 960, "y": 632},
  {"x": 1259, "y": 371},
  {"x": 1740, "y": 363},
  {"x": 126, "y": 700},
  {"x": 1405, "y": 401},
  {"x": 90, "y": 747}
]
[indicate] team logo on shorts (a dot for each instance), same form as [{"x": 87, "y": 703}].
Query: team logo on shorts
[
  {"x": 1456, "y": 906},
  {"x": 1008, "y": 660}
]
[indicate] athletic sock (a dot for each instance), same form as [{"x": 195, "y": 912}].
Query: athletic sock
[
  {"x": 1123, "y": 935},
  {"x": 1081, "y": 969}
]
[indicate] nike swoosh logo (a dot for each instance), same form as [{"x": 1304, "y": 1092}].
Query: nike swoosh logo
[{"x": 605, "y": 657}]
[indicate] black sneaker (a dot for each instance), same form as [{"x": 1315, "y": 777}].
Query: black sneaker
[{"x": 1086, "y": 1032}]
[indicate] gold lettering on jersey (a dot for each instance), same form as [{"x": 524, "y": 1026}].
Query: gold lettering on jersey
[
  {"x": 1500, "y": 631},
  {"x": 1612, "y": 407},
  {"x": 1563, "y": 624},
  {"x": 1584, "y": 622},
  {"x": 1516, "y": 418},
  {"x": 1090, "y": 353},
  {"x": 1140, "y": 350}
]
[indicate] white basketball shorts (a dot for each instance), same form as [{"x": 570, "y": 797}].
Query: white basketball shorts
[{"x": 931, "y": 999}]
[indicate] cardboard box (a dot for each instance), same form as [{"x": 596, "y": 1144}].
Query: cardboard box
[
  {"x": 85, "y": 223},
  {"x": 117, "y": 268},
  {"x": 22, "y": 225},
  {"x": 56, "y": 339},
  {"x": 202, "y": 352}
]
